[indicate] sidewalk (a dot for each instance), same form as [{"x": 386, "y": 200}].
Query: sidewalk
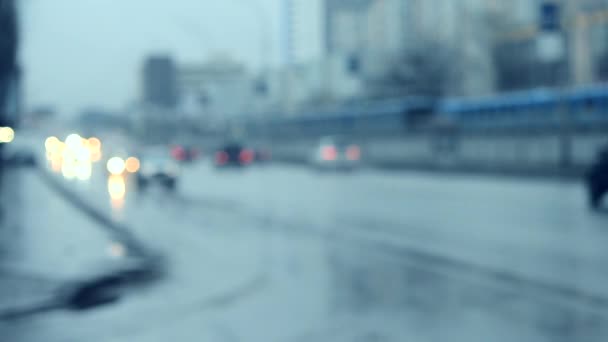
[
  {"x": 52, "y": 242},
  {"x": 43, "y": 240}
]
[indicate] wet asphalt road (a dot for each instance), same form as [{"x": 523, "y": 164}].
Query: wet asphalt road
[{"x": 284, "y": 253}]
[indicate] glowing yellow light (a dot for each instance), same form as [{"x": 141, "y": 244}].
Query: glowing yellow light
[
  {"x": 95, "y": 156},
  {"x": 68, "y": 169},
  {"x": 57, "y": 156},
  {"x": 132, "y": 165},
  {"x": 82, "y": 153},
  {"x": 7, "y": 135},
  {"x": 56, "y": 165},
  {"x": 94, "y": 144},
  {"x": 116, "y": 166},
  {"x": 83, "y": 171},
  {"x": 68, "y": 156},
  {"x": 117, "y": 187},
  {"x": 51, "y": 144},
  {"x": 60, "y": 147},
  {"x": 73, "y": 141}
]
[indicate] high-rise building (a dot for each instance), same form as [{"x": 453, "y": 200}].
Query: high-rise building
[
  {"x": 160, "y": 82},
  {"x": 304, "y": 31},
  {"x": 588, "y": 49},
  {"x": 584, "y": 29},
  {"x": 345, "y": 24}
]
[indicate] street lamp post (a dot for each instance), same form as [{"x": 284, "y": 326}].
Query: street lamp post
[{"x": 551, "y": 49}]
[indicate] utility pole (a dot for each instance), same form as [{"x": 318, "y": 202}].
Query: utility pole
[
  {"x": 551, "y": 49},
  {"x": 580, "y": 56},
  {"x": 8, "y": 60},
  {"x": 8, "y": 51}
]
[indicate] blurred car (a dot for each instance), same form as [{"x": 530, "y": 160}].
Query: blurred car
[
  {"x": 157, "y": 166},
  {"x": 336, "y": 153},
  {"x": 597, "y": 179},
  {"x": 234, "y": 155},
  {"x": 185, "y": 153}
]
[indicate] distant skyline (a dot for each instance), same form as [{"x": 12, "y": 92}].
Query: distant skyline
[{"x": 83, "y": 53}]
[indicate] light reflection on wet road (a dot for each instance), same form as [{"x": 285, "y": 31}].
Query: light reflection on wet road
[{"x": 369, "y": 256}]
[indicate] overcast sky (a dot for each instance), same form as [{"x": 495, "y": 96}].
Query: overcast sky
[{"x": 78, "y": 53}]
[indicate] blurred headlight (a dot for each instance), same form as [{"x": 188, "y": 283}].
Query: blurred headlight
[
  {"x": 73, "y": 141},
  {"x": 82, "y": 153},
  {"x": 132, "y": 165},
  {"x": 116, "y": 166},
  {"x": 7, "y": 135},
  {"x": 51, "y": 144},
  {"x": 94, "y": 144}
]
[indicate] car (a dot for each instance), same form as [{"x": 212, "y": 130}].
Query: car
[
  {"x": 234, "y": 154},
  {"x": 336, "y": 153},
  {"x": 597, "y": 179},
  {"x": 157, "y": 166},
  {"x": 185, "y": 153}
]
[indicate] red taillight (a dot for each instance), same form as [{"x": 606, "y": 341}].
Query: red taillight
[
  {"x": 329, "y": 153},
  {"x": 221, "y": 157},
  {"x": 246, "y": 156},
  {"x": 178, "y": 153},
  {"x": 353, "y": 153}
]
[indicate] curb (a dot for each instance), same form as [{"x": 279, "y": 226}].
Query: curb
[
  {"x": 144, "y": 268},
  {"x": 121, "y": 232}
]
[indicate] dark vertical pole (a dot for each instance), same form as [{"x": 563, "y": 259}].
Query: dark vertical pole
[
  {"x": 550, "y": 23},
  {"x": 567, "y": 111},
  {"x": 8, "y": 57},
  {"x": 8, "y": 49}
]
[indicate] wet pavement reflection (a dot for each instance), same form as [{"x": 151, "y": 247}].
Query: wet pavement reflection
[
  {"x": 320, "y": 274},
  {"x": 366, "y": 280},
  {"x": 117, "y": 189}
]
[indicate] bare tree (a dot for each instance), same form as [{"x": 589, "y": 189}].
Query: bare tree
[
  {"x": 514, "y": 56},
  {"x": 423, "y": 69}
]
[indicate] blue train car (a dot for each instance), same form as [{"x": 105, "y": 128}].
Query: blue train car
[
  {"x": 541, "y": 107},
  {"x": 589, "y": 105},
  {"x": 516, "y": 110},
  {"x": 361, "y": 118},
  {"x": 530, "y": 108}
]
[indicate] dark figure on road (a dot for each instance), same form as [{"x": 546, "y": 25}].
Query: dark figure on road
[{"x": 597, "y": 179}]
